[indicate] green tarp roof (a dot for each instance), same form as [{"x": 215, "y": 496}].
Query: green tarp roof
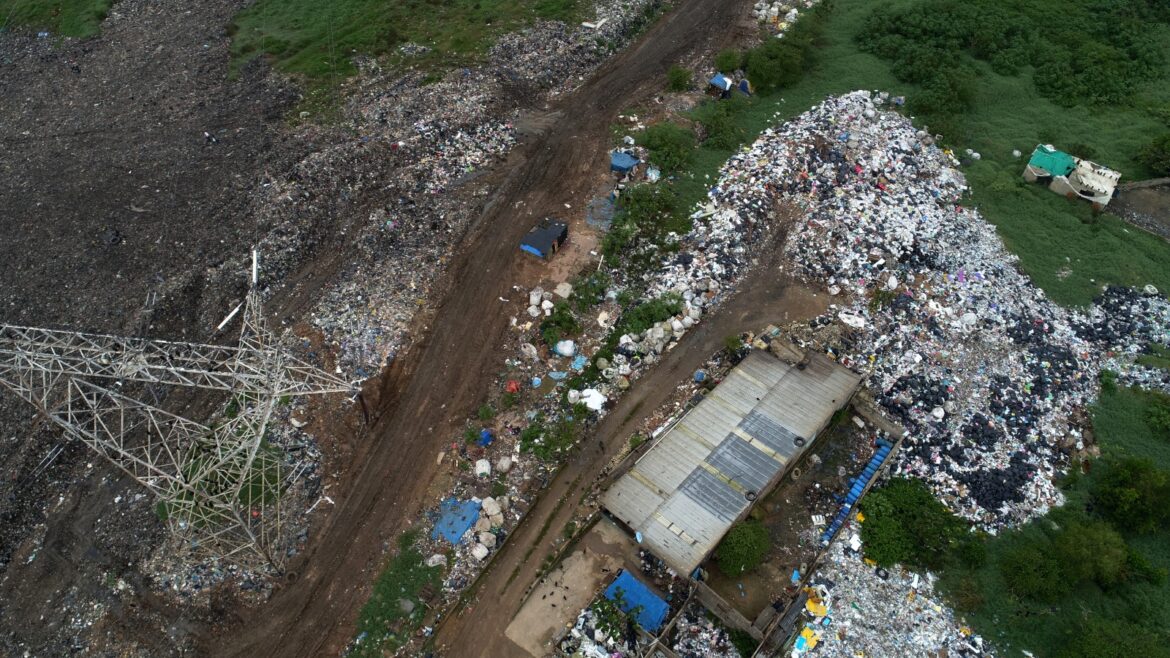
[{"x": 1057, "y": 163}]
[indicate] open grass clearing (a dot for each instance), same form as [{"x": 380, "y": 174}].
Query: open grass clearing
[
  {"x": 67, "y": 18},
  {"x": 319, "y": 40}
]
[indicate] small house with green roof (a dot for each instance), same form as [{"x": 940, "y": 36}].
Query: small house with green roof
[{"x": 1071, "y": 176}]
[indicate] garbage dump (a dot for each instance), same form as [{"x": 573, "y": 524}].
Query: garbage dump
[
  {"x": 858, "y": 609},
  {"x": 698, "y": 635},
  {"x": 983, "y": 370}
]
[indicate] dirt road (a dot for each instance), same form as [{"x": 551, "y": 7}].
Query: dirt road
[
  {"x": 765, "y": 296},
  {"x": 437, "y": 383}
]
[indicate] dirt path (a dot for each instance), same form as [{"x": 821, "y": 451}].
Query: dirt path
[
  {"x": 765, "y": 296},
  {"x": 436, "y": 384}
]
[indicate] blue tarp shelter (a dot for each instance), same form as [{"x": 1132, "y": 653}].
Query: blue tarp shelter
[
  {"x": 634, "y": 594},
  {"x": 544, "y": 239},
  {"x": 621, "y": 161},
  {"x": 455, "y": 518},
  {"x": 745, "y": 86},
  {"x": 721, "y": 82}
]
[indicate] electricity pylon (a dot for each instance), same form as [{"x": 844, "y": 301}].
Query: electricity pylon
[{"x": 219, "y": 487}]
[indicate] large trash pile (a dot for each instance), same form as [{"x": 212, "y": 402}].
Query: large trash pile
[
  {"x": 698, "y": 635},
  {"x": 856, "y": 609},
  {"x": 982, "y": 369}
]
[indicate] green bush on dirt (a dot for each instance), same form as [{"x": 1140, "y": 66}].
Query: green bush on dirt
[
  {"x": 729, "y": 61},
  {"x": 671, "y": 146},
  {"x": 719, "y": 119},
  {"x": 678, "y": 78},
  {"x": 744, "y": 548},
  {"x": 386, "y": 626},
  {"x": 560, "y": 324}
]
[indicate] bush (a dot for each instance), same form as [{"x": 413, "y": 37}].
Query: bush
[
  {"x": 1092, "y": 550},
  {"x": 720, "y": 121},
  {"x": 645, "y": 212},
  {"x": 559, "y": 325},
  {"x": 745, "y": 645},
  {"x": 1098, "y": 636},
  {"x": 729, "y": 61},
  {"x": 733, "y": 344},
  {"x": 671, "y": 146},
  {"x": 744, "y": 547},
  {"x": 1032, "y": 571},
  {"x": 589, "y": 289},
  {"x": 782, "y": 62},
  {"x": 1108, "y": 379},
  {"x": 645, "y": 315},
  {"x": 486, "y": 413},
  {"x": 1156, "y": 155},
  {"x": 906, "y": 524},
  {"x": 1133, "y": 494},
  {"x": 678, "y": 79},
  {"x": 1158, "y": 413}
]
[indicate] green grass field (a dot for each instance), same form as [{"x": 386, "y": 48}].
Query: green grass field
[
  {"x": 69, "y": 18},
  {"x": 318, "y": 39}
]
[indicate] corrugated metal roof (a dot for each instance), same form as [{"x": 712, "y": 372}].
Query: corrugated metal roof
[{"x": 688, "y": 489}]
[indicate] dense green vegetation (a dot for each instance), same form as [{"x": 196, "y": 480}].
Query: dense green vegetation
[
  {"x": 69, "y": 18},
  {"x": 318, "y": 40},
  {"x": 384, "y": 624},
  {"x": 743, "y": 548},
  {"x": 906, "y": 524},
  {"x": 671, "y": 146}
]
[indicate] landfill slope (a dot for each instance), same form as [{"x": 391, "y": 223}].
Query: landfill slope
[{"x": 441, "y": 378}]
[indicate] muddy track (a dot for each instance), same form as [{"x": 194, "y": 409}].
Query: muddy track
[{"x": 435, "y": 385}]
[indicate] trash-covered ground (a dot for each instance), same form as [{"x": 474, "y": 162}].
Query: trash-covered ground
[
  {"x": 333, "y": 219},
  {"x": 985, "y": 373},
  {"x": 856, "y": 609},
  {"x": 697, "y": 634}
]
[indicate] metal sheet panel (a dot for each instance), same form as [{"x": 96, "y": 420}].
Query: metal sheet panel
[
  {"x": 673, "y": 494},
  {"x": 740, "y": 461}
]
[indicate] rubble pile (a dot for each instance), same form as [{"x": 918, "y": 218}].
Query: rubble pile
[
  {"x": 855, "y": 609},
  {"x": 698, "y": 635}
]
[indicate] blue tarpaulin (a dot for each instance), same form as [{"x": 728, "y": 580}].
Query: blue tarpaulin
[
  {"x": 455, "y": 518},
  {"x": 722, "y": 82},
  {"x": 636, "y": 594},
  {"x": 622, "y": 162},
  {"x": 486, "y": 437}
]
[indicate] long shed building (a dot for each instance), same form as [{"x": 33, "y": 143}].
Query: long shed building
[{"x": 703, "y": 473}]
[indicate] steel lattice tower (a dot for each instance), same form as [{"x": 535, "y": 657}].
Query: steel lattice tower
[{"x": 219, "y": 487}]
